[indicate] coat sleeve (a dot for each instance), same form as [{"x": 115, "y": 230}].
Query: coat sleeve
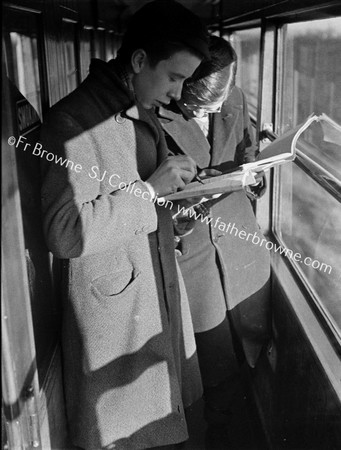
[{"x": 78, "y": 218}]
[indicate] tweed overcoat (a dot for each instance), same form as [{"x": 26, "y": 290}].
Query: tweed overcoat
[
  {"x": 130, "y": 365},
  {"x": 222, "y": 270}
]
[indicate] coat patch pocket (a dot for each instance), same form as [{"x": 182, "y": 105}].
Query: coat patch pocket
[{"x": 117, "y": 283}]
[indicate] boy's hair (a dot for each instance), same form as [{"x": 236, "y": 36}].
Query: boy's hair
[
  {"x": 162, "y": 28},
  {"x": 214, "y": 79}
]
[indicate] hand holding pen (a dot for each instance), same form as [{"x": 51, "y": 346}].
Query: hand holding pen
[
  {"x": 173, "y": 174},
  {"x": 196, "y": 177}
]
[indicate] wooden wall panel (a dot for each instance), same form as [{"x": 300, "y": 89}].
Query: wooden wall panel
[
  {"x": 52, "y": 408},
  {"x": 299, "y": 406}
]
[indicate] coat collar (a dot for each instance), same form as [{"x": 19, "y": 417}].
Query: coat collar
[
  {"x": 138, "y": 112},
  {"x": 107, "y": 75},
  {"x": 223, "y": 124},
  {"x": 190, "y": 139},
  {"x": 104, "y": 76},
  {"x": 186, "y": 134}
]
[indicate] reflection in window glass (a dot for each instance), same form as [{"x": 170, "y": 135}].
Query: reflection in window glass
[
  {"x": 322, "y": 143},
  {"x": 310, "y": 223},
  {"x": 312, "y": 71},
  {"x": 247, "y": 46}
]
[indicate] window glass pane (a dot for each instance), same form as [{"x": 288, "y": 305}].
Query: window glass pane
[
  {"x": 85, "y": 52},
  {"x": 108, "y": 46},
  {"x": 310, "y": 223},
  {"x": 312, "y": 71},
  {"x": 116, "y": 41},
  {"x": 99, "y": 44},
  {"x": 22, "y": 53},
  {"x": 247, "y": 46},
  {"x": 309, "y": 219},
  {"x": 322, "y": 143},
  {"x": 70, "y": 38}
]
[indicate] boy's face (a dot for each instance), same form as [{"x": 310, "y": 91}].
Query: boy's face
[{"x": 158, "y": 85}]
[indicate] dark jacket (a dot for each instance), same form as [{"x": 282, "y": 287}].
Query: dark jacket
[
  {"x": 128, "y": 344},
  {"x": 223, "y": 269}
]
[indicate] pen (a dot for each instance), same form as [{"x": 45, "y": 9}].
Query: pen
[{"x": 197, "y": 178}]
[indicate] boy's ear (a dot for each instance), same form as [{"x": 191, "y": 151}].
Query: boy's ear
[{"x": 138, "y": 60}]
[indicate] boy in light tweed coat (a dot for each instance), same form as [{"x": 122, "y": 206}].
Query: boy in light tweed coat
[{"x": 130, "y": 365}]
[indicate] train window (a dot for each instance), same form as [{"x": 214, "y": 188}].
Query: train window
[
  {"x": 308, "y": 206},
  {"x": 111, "y": 53},
  {"x": 69, "y": 32},
  {"x": 312, "y": 71},
  {"x": 312, "y": 82},
  {"x": 114, "y": 44},
  {"x": 247, "y": 46},
  {"x": 99, "y": 44},
  {"x": 22, "y": 41},
  {"x": 85, "y": 52},
  {"x": 309, "y": 223}
]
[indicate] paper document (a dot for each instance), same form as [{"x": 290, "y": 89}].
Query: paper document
[{"x": 280, "y": 151}]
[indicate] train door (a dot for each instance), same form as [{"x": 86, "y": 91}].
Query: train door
[{"x": 33, "y": 405}]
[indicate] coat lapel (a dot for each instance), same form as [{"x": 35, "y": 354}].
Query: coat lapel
[
  {"x": 137, "y": 112},
  {"x": 187, "y": 136},
  {"x": 223, "y": 124}
]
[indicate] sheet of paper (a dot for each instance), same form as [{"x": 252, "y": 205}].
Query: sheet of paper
[
  {"x": 215, "y": 185},
  {"x": 280, "y": 151}
]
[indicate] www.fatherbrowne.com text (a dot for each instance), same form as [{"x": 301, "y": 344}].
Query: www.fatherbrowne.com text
[{"x": 113, "y": 179}]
